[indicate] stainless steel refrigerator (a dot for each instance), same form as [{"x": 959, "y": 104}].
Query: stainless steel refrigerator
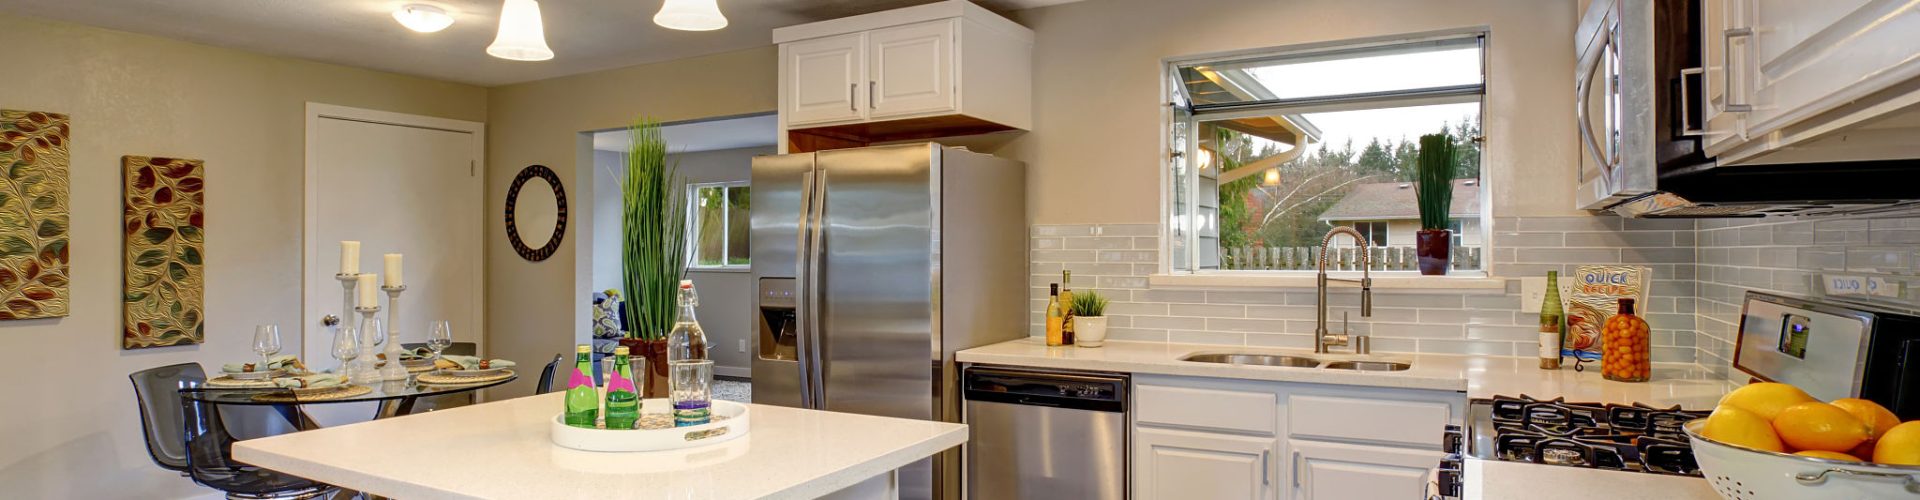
[{"x": 872, "y": 266}]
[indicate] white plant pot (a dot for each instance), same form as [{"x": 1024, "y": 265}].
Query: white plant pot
[{"x": 1089, "y": 331}]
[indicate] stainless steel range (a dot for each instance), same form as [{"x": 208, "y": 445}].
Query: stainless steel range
[{"x": 1630, "y": 437}]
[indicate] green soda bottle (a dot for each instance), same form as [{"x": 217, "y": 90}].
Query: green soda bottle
[
  {"x": 583, "y": 402},
  {"x": 623, "y": 401}
]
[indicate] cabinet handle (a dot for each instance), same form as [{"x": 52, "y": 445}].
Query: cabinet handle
[
  {"x": 852, "y": 105},
  {"x": 1686, "y": 106},
  {"x": 1265, "y": 466},
  {"x": 1726, "y": 66},
  {"x": 870, "y": 85},
  {"x": 1295, "y": 469}
]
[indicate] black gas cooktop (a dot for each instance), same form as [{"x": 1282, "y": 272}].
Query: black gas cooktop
[{"x": 1624, "y": 437}]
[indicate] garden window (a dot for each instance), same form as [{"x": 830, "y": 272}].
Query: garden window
[{"x": 718, "y": 225}]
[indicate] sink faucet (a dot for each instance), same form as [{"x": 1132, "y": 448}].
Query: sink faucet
[{"x": 1321, "y": 338}]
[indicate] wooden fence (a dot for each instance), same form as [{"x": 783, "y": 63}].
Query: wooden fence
[{"x": 1345, "y": 259}]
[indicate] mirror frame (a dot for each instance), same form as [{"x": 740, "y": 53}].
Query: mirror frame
[{"x": 560, "y": 219}]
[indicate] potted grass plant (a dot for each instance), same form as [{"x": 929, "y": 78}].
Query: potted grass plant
[
  {"x": 1433, "y": 187},
  {"x": 1089, "y": 319},
  {"x": 653, "y": 231}
]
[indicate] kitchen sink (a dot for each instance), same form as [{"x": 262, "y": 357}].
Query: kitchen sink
[
  {"x": 1368, "y": 366},
  {"x": 1254, "y": 359}
]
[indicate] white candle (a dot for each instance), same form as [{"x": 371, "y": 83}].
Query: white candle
[
  {"x": 368, "y": 291},
  {"x": 393, "y": 270},
  {"x": 349, "y": 257}
]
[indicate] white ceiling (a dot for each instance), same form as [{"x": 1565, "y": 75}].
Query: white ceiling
[
  {"x": 586, "y": 35},
  {"x": 710, "y": 135}
]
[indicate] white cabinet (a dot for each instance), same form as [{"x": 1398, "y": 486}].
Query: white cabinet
[
  {"x": 1782, "y": 73},
  {"x": 1230, "y": 439},
  {"x": 944, "y": 68},
  {"x": 1186, "y": 465},
  {"x": 823, "y": 81},
  {"x": 1332, "y": 470}
]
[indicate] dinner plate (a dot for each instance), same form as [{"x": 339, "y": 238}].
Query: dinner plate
[{"x": 256, "y": 375}]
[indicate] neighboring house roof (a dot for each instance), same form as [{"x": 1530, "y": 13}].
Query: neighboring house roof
[{"x": 1396, "y": 201}]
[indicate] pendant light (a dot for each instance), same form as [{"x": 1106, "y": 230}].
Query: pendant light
[
  {"x": 422, "y": 18},
  {"x": 690, "y": 15},
  {"x": 521, "y": 36}
]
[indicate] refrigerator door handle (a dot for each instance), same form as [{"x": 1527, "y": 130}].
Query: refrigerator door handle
[
  {"x": 802, "y": 303},
  {"x": 818, "y": 367}
]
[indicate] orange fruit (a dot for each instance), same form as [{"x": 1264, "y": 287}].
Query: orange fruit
[
  {"x": 1899, "y": 445},
  {"x": 1766, "y": 398},
  {"x": 1876, "y": 416},
  {"x": 1829, "y": 455},
  {"x": 1738, "y": 427},
  {"x": 1814, "y": 425}
]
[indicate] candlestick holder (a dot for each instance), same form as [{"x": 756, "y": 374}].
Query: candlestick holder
[
  {"x": 348, "y": 282},
  {"x": 394, "y": 370},
  {"x": 365, "y": 367}
]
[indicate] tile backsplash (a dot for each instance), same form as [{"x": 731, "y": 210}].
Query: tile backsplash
[{"x": 1701, "y": 271}]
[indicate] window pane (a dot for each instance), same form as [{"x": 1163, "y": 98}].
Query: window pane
[
  {"x": 1284, "y": 180},
  {"x": 1407, "y": 66},
  {"x": 709, "y": 245},
  {"x": 738, "y": 224}
]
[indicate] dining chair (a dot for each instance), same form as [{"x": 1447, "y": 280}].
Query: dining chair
[
  {"x": 156, "y": 394},
  {"x": 210, "y": 461},
  {"x": 546, "y": 375}
]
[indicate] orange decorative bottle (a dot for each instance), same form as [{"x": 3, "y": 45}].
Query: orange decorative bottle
[{"x": 1625, "y": 343}]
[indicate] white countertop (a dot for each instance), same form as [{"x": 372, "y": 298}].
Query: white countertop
[
  {"x": 501, "y": 450},
  {"x": 1479, "y": 376},
  {"x": 1495, "y": 480}
]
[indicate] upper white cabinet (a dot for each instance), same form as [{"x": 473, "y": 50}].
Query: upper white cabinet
[
  {"x": 946, "y": 68},
  {"x": 1787, "y": 76}
]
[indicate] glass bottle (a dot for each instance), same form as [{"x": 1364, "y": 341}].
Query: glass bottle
[
  {"x": 583, "y": 401},
  {"x": 1055, "y": 317},
  {"x": 1624, "y": 346},
  {"x": 1553, "y": 324},
  {"x": 623, "y": 400},
  {"x": 1066, "y": 307},
  {"x": 689, "y": 370}
]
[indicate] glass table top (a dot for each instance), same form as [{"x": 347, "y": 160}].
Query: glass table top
[{"x": 380, "y": 391}]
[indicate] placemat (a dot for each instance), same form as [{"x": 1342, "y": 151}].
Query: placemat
[
  {"x": 290, "y": 397},
  {"x": 444, "y": 379},
  {"x": 226, "y": 382}
]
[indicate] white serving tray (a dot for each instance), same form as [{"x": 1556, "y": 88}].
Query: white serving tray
[{"x": 737, "y": 424}]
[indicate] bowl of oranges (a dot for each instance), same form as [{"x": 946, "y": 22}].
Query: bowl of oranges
[{"x": 1771, "y": 440}]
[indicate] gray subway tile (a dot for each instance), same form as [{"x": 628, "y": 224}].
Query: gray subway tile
[{"x": 1207, "y": 310}]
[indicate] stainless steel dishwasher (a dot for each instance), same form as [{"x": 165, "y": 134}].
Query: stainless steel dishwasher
[{"x": 1045, "y": 434}]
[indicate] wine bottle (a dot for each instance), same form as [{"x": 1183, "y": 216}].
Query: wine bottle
[
  {"x": 583, "y": 402},
  {"x": 1055, "y": 317},
  {"x": 1553, "y": 324},
  {"x": 1066, "y": 307}
]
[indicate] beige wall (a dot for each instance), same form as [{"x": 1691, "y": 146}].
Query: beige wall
[
  {"x": 1097, "y": 67},
  {"x": 70, "y": 426},
  {"x": 537, "y": 309}
]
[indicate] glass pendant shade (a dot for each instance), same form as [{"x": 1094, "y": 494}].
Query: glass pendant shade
[
  {"x": 691, "y": 15},
  {"x": 521, "y": 36},
  {"x": 422, "y": 18}
]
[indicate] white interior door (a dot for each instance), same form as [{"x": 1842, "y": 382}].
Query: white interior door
[{"x": 398, "y": 184}]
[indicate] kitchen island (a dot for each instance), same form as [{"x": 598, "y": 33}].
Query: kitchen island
[{"x": 502, "y": 450}]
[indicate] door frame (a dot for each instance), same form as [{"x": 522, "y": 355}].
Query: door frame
[{"x": 310, "y": 205}]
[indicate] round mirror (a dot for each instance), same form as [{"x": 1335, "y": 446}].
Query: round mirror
[{"x": 536, "y": 212}]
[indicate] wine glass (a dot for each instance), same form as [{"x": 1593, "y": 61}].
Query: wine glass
[
  {"x": 266, "y": 343},
  {"x": 376, "y": 336},
  {"x": 346, "y": 345},
  {"x": 440, "y": 337}
]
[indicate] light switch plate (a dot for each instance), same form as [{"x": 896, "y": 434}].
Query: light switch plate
[
  {"x": 1533, "y": 292},
  {"x": 743, "y": 345}
]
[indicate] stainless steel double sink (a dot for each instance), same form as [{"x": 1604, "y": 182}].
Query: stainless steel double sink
[{"x": 1296, "y": 362}]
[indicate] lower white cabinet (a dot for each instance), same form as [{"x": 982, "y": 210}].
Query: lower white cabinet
[
  {"x": 1214, "y": 438},
  {"x": 1193, "y": 465}
]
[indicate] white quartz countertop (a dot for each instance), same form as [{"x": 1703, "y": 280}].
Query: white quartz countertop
[
  {"x": 1479, "y": 376},
  {"x": 501, "y": 450}
]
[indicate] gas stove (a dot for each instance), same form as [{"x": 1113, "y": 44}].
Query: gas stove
[{"x": 1622, "y": 437}]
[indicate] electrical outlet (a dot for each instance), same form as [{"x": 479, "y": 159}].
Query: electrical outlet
[
  {"x": 743, "y": 345},
  {"x": 1533, "y": 292}
]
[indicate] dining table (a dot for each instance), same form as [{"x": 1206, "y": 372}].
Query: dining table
[{"x": 395, "y": 397}]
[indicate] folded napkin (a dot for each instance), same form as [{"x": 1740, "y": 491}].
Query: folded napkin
[
  {"x": 474, "y": 363},
  {"x": 416, "y": 353},
  {"x": 313, "y": 381},
  {"x": 281, "y": 362}
]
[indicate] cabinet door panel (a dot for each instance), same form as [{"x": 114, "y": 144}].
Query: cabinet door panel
[
  {"x": 1810, "y": 57},
  {"x": 1723, "y": 125},
  {"x": 823, "y": 80},
  {"x": 1330, "y": 471},
  {"x": 911, "y": 68},
  {"x": 1175, "y": 465}
]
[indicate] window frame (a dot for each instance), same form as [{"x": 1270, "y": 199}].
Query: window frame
[
  {"x": 726, "y": 223},
  {"x": 1176, "y": 112}
]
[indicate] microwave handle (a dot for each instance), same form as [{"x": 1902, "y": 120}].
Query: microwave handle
[
  {"x": 1726, "y": 67},
  {"x": 1581, "y": 91},
  {"x": 1686, "y": 107}
]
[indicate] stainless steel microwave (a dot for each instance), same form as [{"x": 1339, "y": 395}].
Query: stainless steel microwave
[{"x": 1638, "y": 90}]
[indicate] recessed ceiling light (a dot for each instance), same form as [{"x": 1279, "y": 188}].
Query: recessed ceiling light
[
  {"x": 422, "y": 18},
  {"x": 521, "y": 38},
  {"x": 690, "y": 15}
]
